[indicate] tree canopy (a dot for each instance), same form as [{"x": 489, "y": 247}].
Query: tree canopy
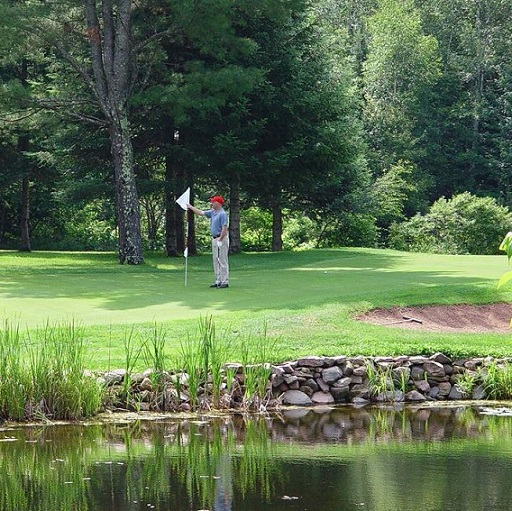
[{"x": 322, "y": 108}]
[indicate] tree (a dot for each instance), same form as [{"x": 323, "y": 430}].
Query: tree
[
  {"x": 308, "y": 149},
  {"x": 402, "y": 66},
  {"x": 111, "y": 81},
  {"x": 107, "y": 71}
]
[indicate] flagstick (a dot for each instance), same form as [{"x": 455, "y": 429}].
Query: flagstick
[
  {"x": 183, "y": 200},
  {"x": 186, "y": 248}
]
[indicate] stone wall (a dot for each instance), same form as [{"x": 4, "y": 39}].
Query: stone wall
[
  {"x": 330, "y": 380},
  {"x": 312, "y": 381}
]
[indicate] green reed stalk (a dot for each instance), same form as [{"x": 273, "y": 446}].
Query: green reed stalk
[
  {"x": 206, "y": 335},
  {"x": 379, "y": 380},
  {"x": 215, "y": 354},
  {"x": 131, "y": 357},
  {"x": 189, "y": 354},
  {"x": 14, "y": 385},
  {"x": 230, "y": 373},
  {"x": 256, "y": 370},
  {"x": 60, "y": 387},
  {"x": 154, "y": 354}
]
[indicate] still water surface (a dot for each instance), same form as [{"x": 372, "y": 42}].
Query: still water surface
[{"x": 343, "y": 459}]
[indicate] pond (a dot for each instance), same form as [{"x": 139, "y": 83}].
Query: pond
[{"x": 337, "y": 459}]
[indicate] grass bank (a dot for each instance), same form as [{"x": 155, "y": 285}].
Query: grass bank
[{"x": 304, "y": 302}]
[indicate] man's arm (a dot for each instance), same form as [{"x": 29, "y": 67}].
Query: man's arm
[
  {"x": 223, "y": 232},
  {"x": 195, "y": 210}
]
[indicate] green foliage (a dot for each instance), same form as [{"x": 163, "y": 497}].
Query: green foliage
[
  {"x": 464, "y": 224},
  {"x": 299, "y": 231},
  {"x": 348, "y": 230},
  {"x": 396, "y": 192},
  {"x": 90, "y": 227},
  {"x": 466, "y": 382},
  {"x": 256, "y": 229},
  {"x": 399, "y": 73},
  {"x": 506, "y": 246}
]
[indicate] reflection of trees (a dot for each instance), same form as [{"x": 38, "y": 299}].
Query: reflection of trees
[{"x": 218, "y": 462}]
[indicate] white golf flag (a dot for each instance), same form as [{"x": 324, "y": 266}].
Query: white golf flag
[
  {"x": 184, "y": 199},
  {"x": 185, "y": 252}
]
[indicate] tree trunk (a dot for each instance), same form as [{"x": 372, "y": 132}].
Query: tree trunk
[
  {"x": 191, "y": 223},
  {"x": 3, "y": 217},
  {"x": 235, "y": 245},
  {"x": 127, "y": 199},
  {"x": 24, "y": 219},
  {"x": 277, "y": 225},
  {"x": 23, "y": 147},
  {"x": 171, "y": 247},
  {"x": 25, "y": 214},
  {"x": 113, "y": 74}
]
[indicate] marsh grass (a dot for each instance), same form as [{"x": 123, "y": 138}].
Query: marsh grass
[
  {"x": 155, "y": 354},
  {"x": 46, "y": 379},
  {"x": 255, "y": 354},
  {"x": 192, "y": 366},
  {"x": 132, "y": 354},
  {"x": 203, "y": 361},
  {"x": 497, "y": 380},
  {"x": 14, "y": 381},
  {"x": 208, "y": 363},
  {"x": 386, "y": 381}
]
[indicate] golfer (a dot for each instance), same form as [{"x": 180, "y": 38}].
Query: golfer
[{"x": 220, "y": 239}]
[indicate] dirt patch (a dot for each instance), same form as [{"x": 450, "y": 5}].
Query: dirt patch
[{"x": 444, "y": 318}]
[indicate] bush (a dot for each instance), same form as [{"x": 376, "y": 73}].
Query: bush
[
  {"x": 302, "y": 232},
  {"x": 256, "y": 229},
  {"x": 91, "y": 227},
  {"x": 464, "y": 224},
  {"x": 299, "y": 231}
]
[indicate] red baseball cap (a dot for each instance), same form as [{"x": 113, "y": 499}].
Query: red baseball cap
[{"x": 218, "y": 199}]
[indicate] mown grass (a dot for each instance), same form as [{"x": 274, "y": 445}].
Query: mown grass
[{"x": 301, "y": 303}]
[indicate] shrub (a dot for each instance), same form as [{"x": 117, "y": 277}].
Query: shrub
[
  {"x": 256, "y": 229},
  {"x": 299, "y": 231},
  {"x": 464, "y": 224}
]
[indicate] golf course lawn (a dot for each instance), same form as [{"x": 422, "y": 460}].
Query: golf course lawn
[{"x": 297, "y": 303}]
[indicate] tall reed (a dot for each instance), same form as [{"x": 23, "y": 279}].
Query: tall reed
[
  {"x": 154, "y": 354},
  {"x": 46, "y": 379},
  {"x": 191, "y": 363},
  {"x": 14, "y": 382},
  {"x": 497, "y": 380},
  {"x": 131, "y": 357},
  {"x": 203, "y": 362},
  {"x": 256, "y": 370},
  {"x": 215, "y": 354}
]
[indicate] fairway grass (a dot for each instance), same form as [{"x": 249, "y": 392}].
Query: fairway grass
[{"x": 303, "y": 301}]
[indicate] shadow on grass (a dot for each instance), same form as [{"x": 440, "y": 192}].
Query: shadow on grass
[{"x": 262, "y": 281}]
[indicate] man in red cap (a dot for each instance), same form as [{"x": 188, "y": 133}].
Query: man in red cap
[{"x": 220, "y": 239}]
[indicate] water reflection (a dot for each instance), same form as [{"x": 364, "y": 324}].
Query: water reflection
[{"x": 335, "y": 460}]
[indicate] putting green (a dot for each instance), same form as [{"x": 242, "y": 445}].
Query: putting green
[{"x": 94, "y": 289}]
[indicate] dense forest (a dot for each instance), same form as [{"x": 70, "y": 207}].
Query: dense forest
[{"x": 322, "y": 122}]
